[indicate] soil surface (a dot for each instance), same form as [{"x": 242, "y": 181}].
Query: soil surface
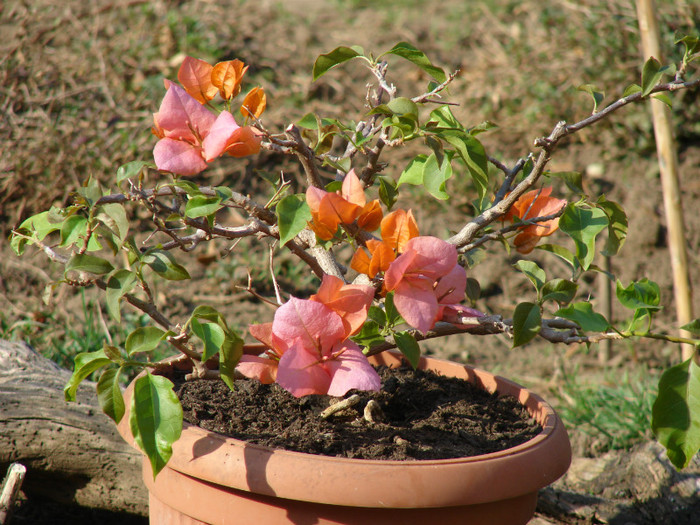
[{"x": 420, "y": 415}]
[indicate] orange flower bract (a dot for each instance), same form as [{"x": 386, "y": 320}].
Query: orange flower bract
[
  {"x": 254, "y": 103},
  {"x": 195, "y": 76},
  {"x": 227, "y": 77}
]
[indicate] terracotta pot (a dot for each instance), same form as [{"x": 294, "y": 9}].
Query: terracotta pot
[{"x": 219, "y": 480}]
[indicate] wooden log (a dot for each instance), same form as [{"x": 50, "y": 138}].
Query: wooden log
[{"x": 72, "y": 451}]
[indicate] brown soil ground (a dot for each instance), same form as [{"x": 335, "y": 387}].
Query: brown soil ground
[{"x": 79, "y": 81}]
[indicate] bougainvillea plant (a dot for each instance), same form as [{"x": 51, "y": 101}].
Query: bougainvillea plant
[{"x": 395, "y": 286}]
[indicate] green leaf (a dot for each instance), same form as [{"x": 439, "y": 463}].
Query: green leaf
[
  {"x": 561, "y": 291},
  {"x": 109, "y": 394},
  {"x": 474, "y": 156},
  {"x": 631, "y": 90},
  {"x": 72, "y": 229},
  {"x": 377, "y": 314},
  {"x": 114, "y": 217},
  {"x": 639, "y": 294},
  {"x": 444, "y": 118},
  {"x": 561, "y": 252},
  {"x": 37, "y": 226},
  {"x": 663, "y": 97},
  {"x": 143, "y": 339},
  {"x": 163, "y": 263},
  {"x": 412, "y": 54},
  {"x": 155, "y": 419},
  {"x": 330, "y": 60},
  {"x": 436, "y": 174},
  {"x": 119, "y": 283},
  {"x": 387, "y": 191},
  {"x": 617, "y": 226},
  {"x": 572, "y": 179},
  {"x": 211, "y": 334},
  {"x": 597, "y": 96},
  {"x": 583, "y": 315},
  {"x": 83, "y": 262},
  {"x": 527, "y": 322},
  {"x": 409, "y": 347},
  {"x": 130, "y": 169},
  {"x": 675, "y": 417},
  {"x": 292, "y": 216},
  {"x": 533, "y": 272},
  {"x": 229, "y": 355},
  {"x": 692, "y": 47},
  {"x": 84, "y": 365},
  {"x": 202, "y": 206},
  {"x": 392, "y": 314},
  {"x": 413, "y": 172},
  {"x": 652, "y": 73},
  {"x": 369, "y": 335},
  {"x": 208, "y": 313},
  {"x": 473, "y": 289},
  {"x": 403, "y": 107},
  {"x": 583, "y": 225},
  {"x": 693, "y": 327}
]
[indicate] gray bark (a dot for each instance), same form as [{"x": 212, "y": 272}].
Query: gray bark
[{"x": 72, "y": 451}]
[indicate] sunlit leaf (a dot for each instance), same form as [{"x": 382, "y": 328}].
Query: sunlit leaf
[
  {"x": 292, "y": 216},
  {"x": 675, "y": 418},
  {"x": 327, "y": 61},
  {"x": 597, "y": 96},
  {"x": 155, "y": 419},
  {"x": 617, "y": 226},
  {"x": 561, "y": 291},
  {"x": 164, "y": 264},
  {"x": 412, "y": 54},
  {"x": 119, "y": 283},
  {"x": 583, "y": 315},
  {"x": 84, "y": 365},
  {"x": 583, "y": 225},
  {"x": 109, "y": 394},
  {"x": 144, "y": 339},
  {"x": 533, "y": 272}
]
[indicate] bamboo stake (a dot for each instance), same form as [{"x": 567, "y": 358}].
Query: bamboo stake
[{"x": 668, "y": 165}]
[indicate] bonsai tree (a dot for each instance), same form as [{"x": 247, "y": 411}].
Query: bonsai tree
[{"x": 391, "y": 287}]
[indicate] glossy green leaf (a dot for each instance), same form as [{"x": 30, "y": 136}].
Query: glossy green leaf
[
  {"x": 617, "y": 226},
  {"x": 413, "y": 172},
  {"x": 155, "y": 419},
  {"x": 109, "y": 394},
  {"x": 202, "y": 206},
  {"x": 436, "y": 174},
  {"x": 675, "y": 417},
  {"x": 369, "y": 335},
  {"x": 83, "y": 262},
  {"x": 527, "y": 322},
  {"x": 377, "y": 314},
  {"x": 292, "y": 216},
  {"x": 583, "y": 224},
  {"x": 412, "y": 54},
  {"x": 119, "y": 283},
  {"x": 533, "y": 272},
  {"x": 663, "y": 97},
  {"x": 639, "y": 294},
  {"x": 583, "y": 315},
  {"x": 84, "y": 365},
  {"x": 144, "y": 339},
  {"x": 164, "y": 264},
  {"x": 561, "y": 291},
  {"x": 211, "y": 334},
  {"x": 328, "y": 61},
  {"x": 692, "y": 48},
  {"x": 37, "y": 226},
  {"x": 408, "y": 346},
  {"x": 444, "y": 118}
]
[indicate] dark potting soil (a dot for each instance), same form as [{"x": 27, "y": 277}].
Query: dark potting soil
[{"x": 424, "y": 416}]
